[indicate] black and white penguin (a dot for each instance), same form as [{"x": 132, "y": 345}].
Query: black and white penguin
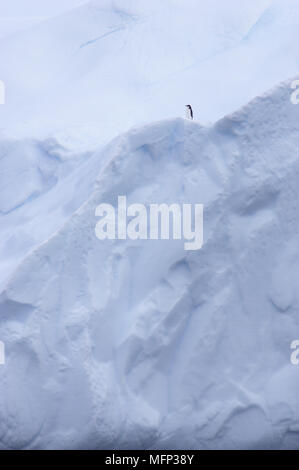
[{"x": 189, "y": 111}]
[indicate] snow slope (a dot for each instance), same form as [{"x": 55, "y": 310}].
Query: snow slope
[
  {"x": 17, "y": 15},
  {"x": 41, "y": 184},
  {"x": 111, "y": 64},
  {"x": 20, "y": 9},
  {"x": 10, "y": 25},
  {"x": 151, "y": 345}
]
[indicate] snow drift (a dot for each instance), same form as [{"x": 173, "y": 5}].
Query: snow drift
[
  {"x": 42, "y": 182},
  {"x": 140, "y": 344}
]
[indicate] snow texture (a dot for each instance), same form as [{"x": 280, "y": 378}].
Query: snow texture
[
  {"x": 140, "y": 344},
  {"x": 107, "y": 65}
]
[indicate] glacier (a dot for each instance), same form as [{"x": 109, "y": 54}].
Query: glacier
[{"x": 140, "y": 344}]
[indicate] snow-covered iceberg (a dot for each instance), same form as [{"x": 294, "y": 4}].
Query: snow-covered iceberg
[{"x": 141, "y": 344}]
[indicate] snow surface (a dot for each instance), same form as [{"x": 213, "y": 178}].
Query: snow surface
[
  {"x": 140, "y": 344},
  {"x": 17, "y": 15},
  {"x": 111, "y": 64}
]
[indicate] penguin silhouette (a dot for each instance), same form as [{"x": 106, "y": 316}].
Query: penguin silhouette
[{"x": 189, "y": 111}]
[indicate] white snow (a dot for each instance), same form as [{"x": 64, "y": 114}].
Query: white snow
[
  {"x": 140, "y": 344},
  {"x": 108, "y": 65},
  {"x": 17, "y": 15}
]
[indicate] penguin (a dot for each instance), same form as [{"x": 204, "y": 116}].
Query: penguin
[{"x": 189, "y": 111}]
